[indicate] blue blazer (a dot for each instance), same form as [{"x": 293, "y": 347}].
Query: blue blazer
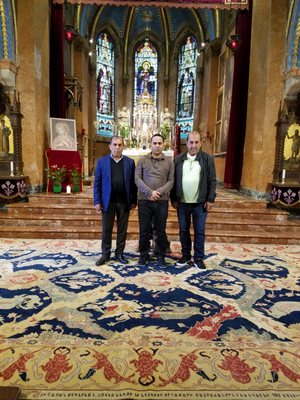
[{"x": 102, "y": 182}]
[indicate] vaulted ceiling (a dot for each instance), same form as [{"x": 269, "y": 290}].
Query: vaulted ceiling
[{"x": 163, "y": 23}]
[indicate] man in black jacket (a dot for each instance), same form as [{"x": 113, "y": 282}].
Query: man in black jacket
[{"x": 193, "y": 195}]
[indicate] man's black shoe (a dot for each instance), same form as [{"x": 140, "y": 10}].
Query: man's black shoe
[
  {"x": 143, "y": 260},
  {"x": 121, "y": 258},
  {"x": 102, "y": 260},
  {"x": 200, "y": 264},
  {"x": 155, "y": 249},
  {"x": 184, "y": 261},
  {"x": 162, "y": 262}
]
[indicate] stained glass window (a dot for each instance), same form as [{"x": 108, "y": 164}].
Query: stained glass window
[
  {"x": 105, "y": 70},
  {"x": 145, "y": 83},
  {"x": 186, "y": 86}
]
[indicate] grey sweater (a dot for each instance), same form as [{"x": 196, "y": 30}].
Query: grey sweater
[{"x": 154, "y": 174}]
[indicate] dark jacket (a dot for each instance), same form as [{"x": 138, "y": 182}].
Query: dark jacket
[
  {"x": 207, "y": 183},
  {"x": 102, "y": 183}
]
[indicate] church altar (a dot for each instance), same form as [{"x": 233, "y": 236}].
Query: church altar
[{"x": 145, "y": 119}]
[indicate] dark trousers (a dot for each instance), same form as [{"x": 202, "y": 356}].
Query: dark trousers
[
  {"x": 156, "y": 212},
  {"x": 185, "y": 212},
  {"x": 121, "y": 211}
]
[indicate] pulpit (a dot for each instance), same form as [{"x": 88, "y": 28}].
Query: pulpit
[
  {"x": 284, "y": 194},
  {"x": 12, "y": 180},
  {"x": 12, "y": 188},
  {"x": 63, "y": 158}
]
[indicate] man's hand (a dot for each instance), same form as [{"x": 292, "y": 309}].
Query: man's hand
[
  {"x": 208, "y": 206},
  {"x": 98, "y": 208},
  {"x": 175, "y": 204},
  {"x": 154, "y": 196}
]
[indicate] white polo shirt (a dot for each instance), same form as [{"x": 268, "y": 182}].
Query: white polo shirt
[{"x": 190, "y": 179}]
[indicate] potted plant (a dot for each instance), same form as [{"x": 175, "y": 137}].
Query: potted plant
[
  {"x": 75, "y": 178},
  {"x": 56, "y": 175}
]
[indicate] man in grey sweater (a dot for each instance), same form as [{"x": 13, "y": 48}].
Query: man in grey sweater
[{"x": 154, "y": 177}]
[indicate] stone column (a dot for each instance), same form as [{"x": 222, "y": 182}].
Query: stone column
[
  {"x": 266, "y": 88},
  {"x": 85, "y": 116},
  {"x": 207, "y": 113},
  {"x": 33, "y": 85}
]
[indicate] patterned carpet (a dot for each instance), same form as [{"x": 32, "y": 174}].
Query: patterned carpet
[{"x": 71, "y": 330}]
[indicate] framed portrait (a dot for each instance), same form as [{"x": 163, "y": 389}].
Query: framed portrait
[{"x": 63, "y": 134}]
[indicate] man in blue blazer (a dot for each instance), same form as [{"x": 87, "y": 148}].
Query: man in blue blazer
[{"x": 115, "y": 194}]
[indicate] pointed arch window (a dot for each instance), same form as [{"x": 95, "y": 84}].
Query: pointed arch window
[
  {"x": 145, "y": 61},
  {"x": 145, "y": 92},
  {"x": 105, "y": 91},
  {"x": 186, "y": 83}
]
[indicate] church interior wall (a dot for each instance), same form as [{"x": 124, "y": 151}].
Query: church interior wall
[
  {"x": 82, "y": 114},
  {"x": 172, "y": 86},
  {"x": 33, "y": 85},
  {"x": 208, "y": 110},
  {"x": 266, "y": 90},
  {"x": 264, "y": 93}
]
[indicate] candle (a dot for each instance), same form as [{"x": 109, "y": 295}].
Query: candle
[
  {"x": 11, "y": 168},
  {"x": 283, "y": 174},
  {"x": 68, "y": 189}
]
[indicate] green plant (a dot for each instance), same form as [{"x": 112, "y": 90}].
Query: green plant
[
  {"x": 75, "y": 175},
  {"x": 165, "y": 131},
  {"x": 124, "y": 130},
  {"x": 56, "y": 174}
]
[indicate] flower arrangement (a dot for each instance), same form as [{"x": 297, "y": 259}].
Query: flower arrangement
[
  {"x": 56, "y": 174},
  {"x": 75, "y": 175}
]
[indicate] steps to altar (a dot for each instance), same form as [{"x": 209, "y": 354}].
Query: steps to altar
[{"x": 234, "y": 219}]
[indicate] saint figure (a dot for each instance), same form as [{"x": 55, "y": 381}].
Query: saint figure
[
  {"x": 5, "y": 137},
  {"x": 104, "y": 91},
  {"x": 295, "y": 145},
  {"x": 186, "y": 94},
  {"x": 145, "y": 79}
]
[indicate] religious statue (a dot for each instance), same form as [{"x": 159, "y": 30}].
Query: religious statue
[
  {"x": 123, "y": 116},
  {"x": 167, "y": 118},
  {"x": 295, "y": 145},
  {"x": 4, "y": 100},
  {"x": 166, "y": 124},
  {"x": 124, "y": 121},
  {"x": 5, "y": 132}
]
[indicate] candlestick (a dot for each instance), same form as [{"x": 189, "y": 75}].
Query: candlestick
[
  {"x": 68, "y": 189},
  {"x": 283, "y": 175},
  {"x": 11, "y": 168}
]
